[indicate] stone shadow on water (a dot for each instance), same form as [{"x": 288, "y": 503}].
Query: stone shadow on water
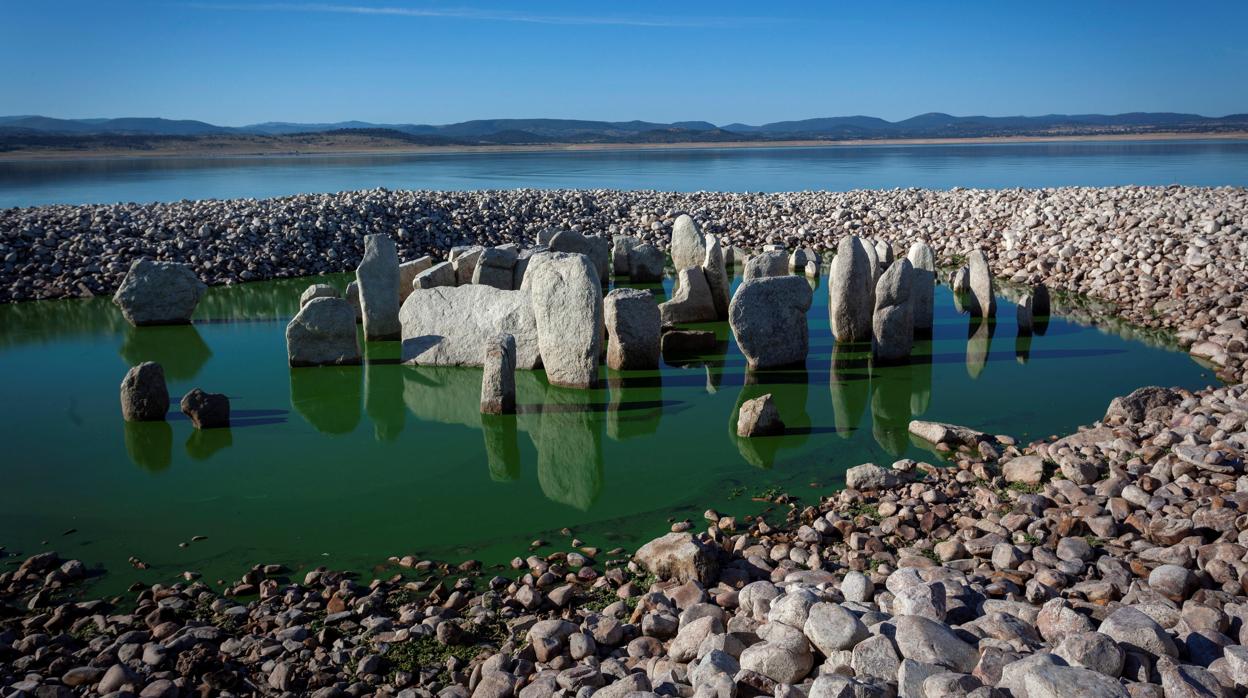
[
  {"x": 635, "y": 410},
  {"x": 202, "y": 444},
  {"x": 849, "y": 382},
  {"x": 978, "y": 345},
  {"x": 383, "y": 399},
  {"x": 891, "y": 393},
  {"x": 179, "y": 349},
  {"x": 149, "y": 444},
  {"x": 327, "y": 397},
  {"x": 569, "y": 449}
]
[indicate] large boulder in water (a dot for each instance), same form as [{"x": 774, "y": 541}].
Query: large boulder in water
[
  {"x": 851, "y": 291},
  {"x": 566, "y": 297},
  {"x": 717, "y": 278},
  {"x": 634, "y": 329},
  {"x": 691, "y": 300},
  {"x": 159, "y": 293},
  {"x": 646, "y": 264},
  {"x": 892, "y": 327},
  {"x": 768, "y": 319},
  {"x": 983, "y": 294},
  {"x": 453, "y": 325},
  {"x": 144, "y": 396},
  {"x": 378, "y": 276},
  {"x": 923, "y": 285},
  {"x": 688, "y": 246},
  {"x": 323, "y": 334},
  {"x": 206, "y": 410}
]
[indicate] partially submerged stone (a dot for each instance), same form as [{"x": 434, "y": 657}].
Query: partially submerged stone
[
  {"x": 566, "y": 297},
  {"x": 159, "y": 293},
  {"x": 766, "y": 264},
  {"x": 206, "y": 410},
  {"x": 717, "y": 278},
  {"x": 622, "y": 247},
  {"x": 759, "y": 417},
  {"x": 323, "y": 334},
  {"x": 851, "y": 292},
  {"x": 892, "y": 328},
  {"x": 983, "y": 293},
  {"x": 691, "y": 300},
  {"x": 452, "y": 326},
  {"x": 634, "y": 327},
  {"x": 646, "y": 264},
  {"x": 144, "y": 395},
  {"x": 378, "y": 275},
  {"x": 923, "y": 285},
  {"x": 353, "y": 297},
  {"x": 498, "y": 380},
  {"x": 768, "y": 319}
]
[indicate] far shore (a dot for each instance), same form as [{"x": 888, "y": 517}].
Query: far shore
[{"x": 247, "y": 149}]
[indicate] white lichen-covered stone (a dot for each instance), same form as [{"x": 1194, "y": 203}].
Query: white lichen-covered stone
[
  {"x": 566, "y": 298},
  {"x": 378, "y": 276}
]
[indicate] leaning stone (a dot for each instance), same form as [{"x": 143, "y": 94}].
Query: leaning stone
[
  {"x": 680, "y": 557},
  {"x": 566, "y": 296},
  {"x": 206, "y": 410},
  {"x": 408, "y": 271},
  {"x": 144, "y": 396},
  {"x": 496, "y": 267},
  {"x": 759, "y": 417},
  {"x": 688, "y": 246},
  {"x": 440, "y": 274},
  {"x": 691, "y": 300},
  {"x": 378, "y": 275},
  {"x": 646, "y": 264},
  {"x": 323, "y": 334},
  {"x": 768, "y": 319},
  {"x": 317, "y": 291},
  {"x": 498, "y": 380},
  {"x": 923, "y": 286},
  {"x": 717, "y": 279},
  {"x": 634, "y": 329},
  {"x": 851, "y": 292},
  {"x": 765, "y": 265},
  {"x": 892, "y": 326},
  {"x": 983, "y": 293},
  {"x": 453, "y": 325},
  {"x": 159, "y": 293}
]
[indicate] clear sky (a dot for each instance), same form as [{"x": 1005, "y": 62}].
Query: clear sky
[{"x": 440, "y": 61}]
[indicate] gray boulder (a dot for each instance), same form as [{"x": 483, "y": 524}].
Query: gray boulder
[
  {"x": 496, "y": 267},
  {"x": 378, "y": 275},
  {"x": 768, "y": 319},
  {"x": 646, "y": 264},
  {"x": 622, "y": 247},
  {"x": 759, "y": 417},
  {"x": 159, "y": 293},
  {"x": 691, "y": 299},
  {"x": 780, "y": 664},
  {"x": 765, "y": 265},
  {"x": 1136, "y": 631},
  {"x": 440, "y": 274},
  {"x": 323, "y": 334},
  {"x": 317, "y": 291},
  {"x": 1092, "y": 650},
  {"x": 717, "y": 278},
  {"x": 634, "y": 329},
  {"x": 597, "y": 249},
  {"x": 892, "y": 327},
  {"x": 688, "y": 246},
  {"x": 831, "y": 628},
  {"x": 464, "y": 261},
  {"x": 144, "y": 396},
  {"x": 923, "y": 285},
  {"x": 851, "y": 292},
  {"x": 983, "y": 292},
  {"x": 870, "y": 249},
  {"x": 408, "y": 271},
  {"x": 498, "y": 380},
  {"x": 680, "y": 557},
  {"x": 206, "y": 410},
  {"x": 960, "y": 280},
  {"x": 932, "y": 642},
  {"x": 1054, "y": 681},
  {"x": 453, "y": 325},
  {"x": 801, "y": 257},
  {"x": 566, "y": 296}
]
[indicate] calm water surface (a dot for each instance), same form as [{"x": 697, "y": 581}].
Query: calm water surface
[
  {"x": 347, "y": 466},
  {"x": 836, "y": 168}
]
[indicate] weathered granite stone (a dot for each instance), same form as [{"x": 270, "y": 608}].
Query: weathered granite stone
[
  {"x": 892, "y": 327},
  {"x": 407, "y": 274},
  {"x": 759, "y": 417},
  {"x": 851, "y": 292},
  {"x": 464, "y": 262},
  {"x": 144, "y": 396},
  {"x": 983, "y": 292},
  {"x": 765, "y": 265},
  {"x": 317, "y": 291},
  {"x": 323, "y": 334},
  {"x": 634, "y": 329},
  {"x": 768, "y": 319},
  {"x": 688, "y": 245},
  {"x": 353, "y": 297},
  {"x": 597, "y": 249},
  {"x": 440, "y": 274},
  {"x": 646, "y": 264},
  {"x": 691, "y": 299},
  {"x": 206, "y": 410},
  {"x": 453, "y": 325},
  {"x": 923, "y": 286},
  {"x": 680, "y": 557},
  {"x": 622, "y": 247},
  {"x": 159, "y": 293},
  {"x": 717, "y": 278},
  {"x": 378, "y": 276},
  {"x": 566, "y": 296},
  {"x": 960, "y": 281},
  {"x": 496, "y": 267},
  {"x": 498, "y": 380}
]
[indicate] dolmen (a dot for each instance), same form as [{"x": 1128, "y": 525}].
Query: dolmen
[
  {"x": 768, "y": 318},
  {"x": 851, "y": 291},
  {"x": 159, "y": 293}
]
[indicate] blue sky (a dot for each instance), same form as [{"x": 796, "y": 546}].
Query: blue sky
[{"x": 439, "y": 61}]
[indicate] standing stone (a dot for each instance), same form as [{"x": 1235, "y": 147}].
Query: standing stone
[
  {"x": 159, "y": 293},
  {"x": 378, "y": 275},
  {"x": 464, "y": 261},
  {"x": 545, "y": 235},
  {"x": 566, "y": 296},
  {"x": 1040, "y": 303},
  {"x": 851, "y": 292},
  {"x": 440, "y": 274},
  {"x": 646, "y": 264},
  {"x": 634, "y": 329},
  {"x": 408, "y": 272},
  {"x": 874, "y": 256},
  {"x": 597, "y": 249},
  {"x": 144, "y": 397},
  {"x": 766, "y": 264},
  {"x": 883, "y": 254},
  {"x": 892, "y": 327},
  {"x": 691, "y": 301},
  {"x": 323, "y": 334},
  {"x": 759, "y": 417},
  {"x": 1026, "y": 314},
  {"x": 960, "y": 280},
  {"x": 621, "y": 250},
  {"x": 768, "y": 319},
  {"x": 923, "y": 285},
  {"x": 206, "y": 410},
  {"x": 496, "y": 268},
  {"x": 716, "y": 276},
  {"x": 353, "y": 297},
  {"x": 983, "y": 294},
  {"x": 498, "y": 381},
  {"x": 801, "y": 257},
  {"x": 688, "y": 245},
  {"x": 317, "y": 291}
]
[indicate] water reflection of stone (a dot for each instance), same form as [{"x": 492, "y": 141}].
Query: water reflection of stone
[
  {"x": 383, "y": 400},
  {"x": 978, "y": 344},
  {"x": 502, "y": 447},
  {"x": 179, "y": 349},
  {"x": 890, "y": 408},
  {"x": 149, "y": 444},
  {"x": 624, "y": 419},
  {"x": 327, "y": 397},
  {"x": 1022, "y": 347},
  {"x": 203, "y": 443},
  {"x": 788, "y": 390},
  {"x": 850, "y": 385},
  {"x": 569, "y": 448},
  {"x": 265, "y": 300},
  {"x": 452, "y": 395},
  {"x": 921, "y": 377}
]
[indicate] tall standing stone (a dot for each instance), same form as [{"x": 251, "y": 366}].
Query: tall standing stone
[
  {"x": 983, "y": 293},
  {"x": 159, "y": 293},
  {"x": 768, "y": 319},
  {"x": 144, "y": 396},
  {"x": 691, "y": 300},
  {"x": 892, "y": 328},
  {"x": 923, "y": 287},
  {"x": 716, "y": 276},
  {"x": 851, "y": 291},
  {"x": 869, "y": 248},
  {"x": 498, "y": 380},
  {"x": 884, "y": 256},
  {"x": 323, "y": 334},
  {"x": 634, "y": 329},
  {"x": 566, "y": 296},
  {"x": 688, "y": 245},
  {"x": 378, "y": 276}
]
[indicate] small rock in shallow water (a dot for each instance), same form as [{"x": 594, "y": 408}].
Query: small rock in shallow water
[{"x": 206, "y": 410}]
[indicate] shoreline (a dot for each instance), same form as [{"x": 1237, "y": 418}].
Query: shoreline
[{"x": 241, "y": 152}]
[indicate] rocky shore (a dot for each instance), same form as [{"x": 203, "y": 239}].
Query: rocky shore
[{"x": 1163, "y": 257}]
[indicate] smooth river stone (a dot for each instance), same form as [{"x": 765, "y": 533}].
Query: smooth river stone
[
  {"x": 768, "y": 319},
  {"x": 378, "y": 275},
  {"x": 634, "y": 329},
  {"x": 851, "y": 292},
  {"x": 498, "y": 380},
  {"x": 144, "y": 396},
  {"x": 323, "y": 334},
  {"x": 566, "y": 297},
  {"x": 691, "y": 300},
  {"x": 688, "y": 245},
  {"x": 983, "y": 296},
  {"x": 892, "y": 326},
  {"x": 923, "y": 286},
  {"x": 453, "y": 325},
  {"x": 159, "y": 293}
]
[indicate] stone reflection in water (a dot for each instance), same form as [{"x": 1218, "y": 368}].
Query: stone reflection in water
[
  {"x": 203, "y": 443},
  {"x": 636, "y": 404},
  {"x": 383, "y": 399},
  {"x": 1022, "y": 348},
  {"x": 149, "y": 444},
  {"x": 890, "y": 408},
  {"x": 502, "y": 446},
  {"x": 978, "y": 344},
  {"x": 850, "y": 385},
  {"x": 327, "y": 397},
  {"x": 569, "y": 447},
  {"x": 921, "y": 377},
  {"x": 179, "y": 349},
  {"x": 788, "y": 390}
]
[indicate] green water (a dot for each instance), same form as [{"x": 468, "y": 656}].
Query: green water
[{"x": 348, "y": 466}]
